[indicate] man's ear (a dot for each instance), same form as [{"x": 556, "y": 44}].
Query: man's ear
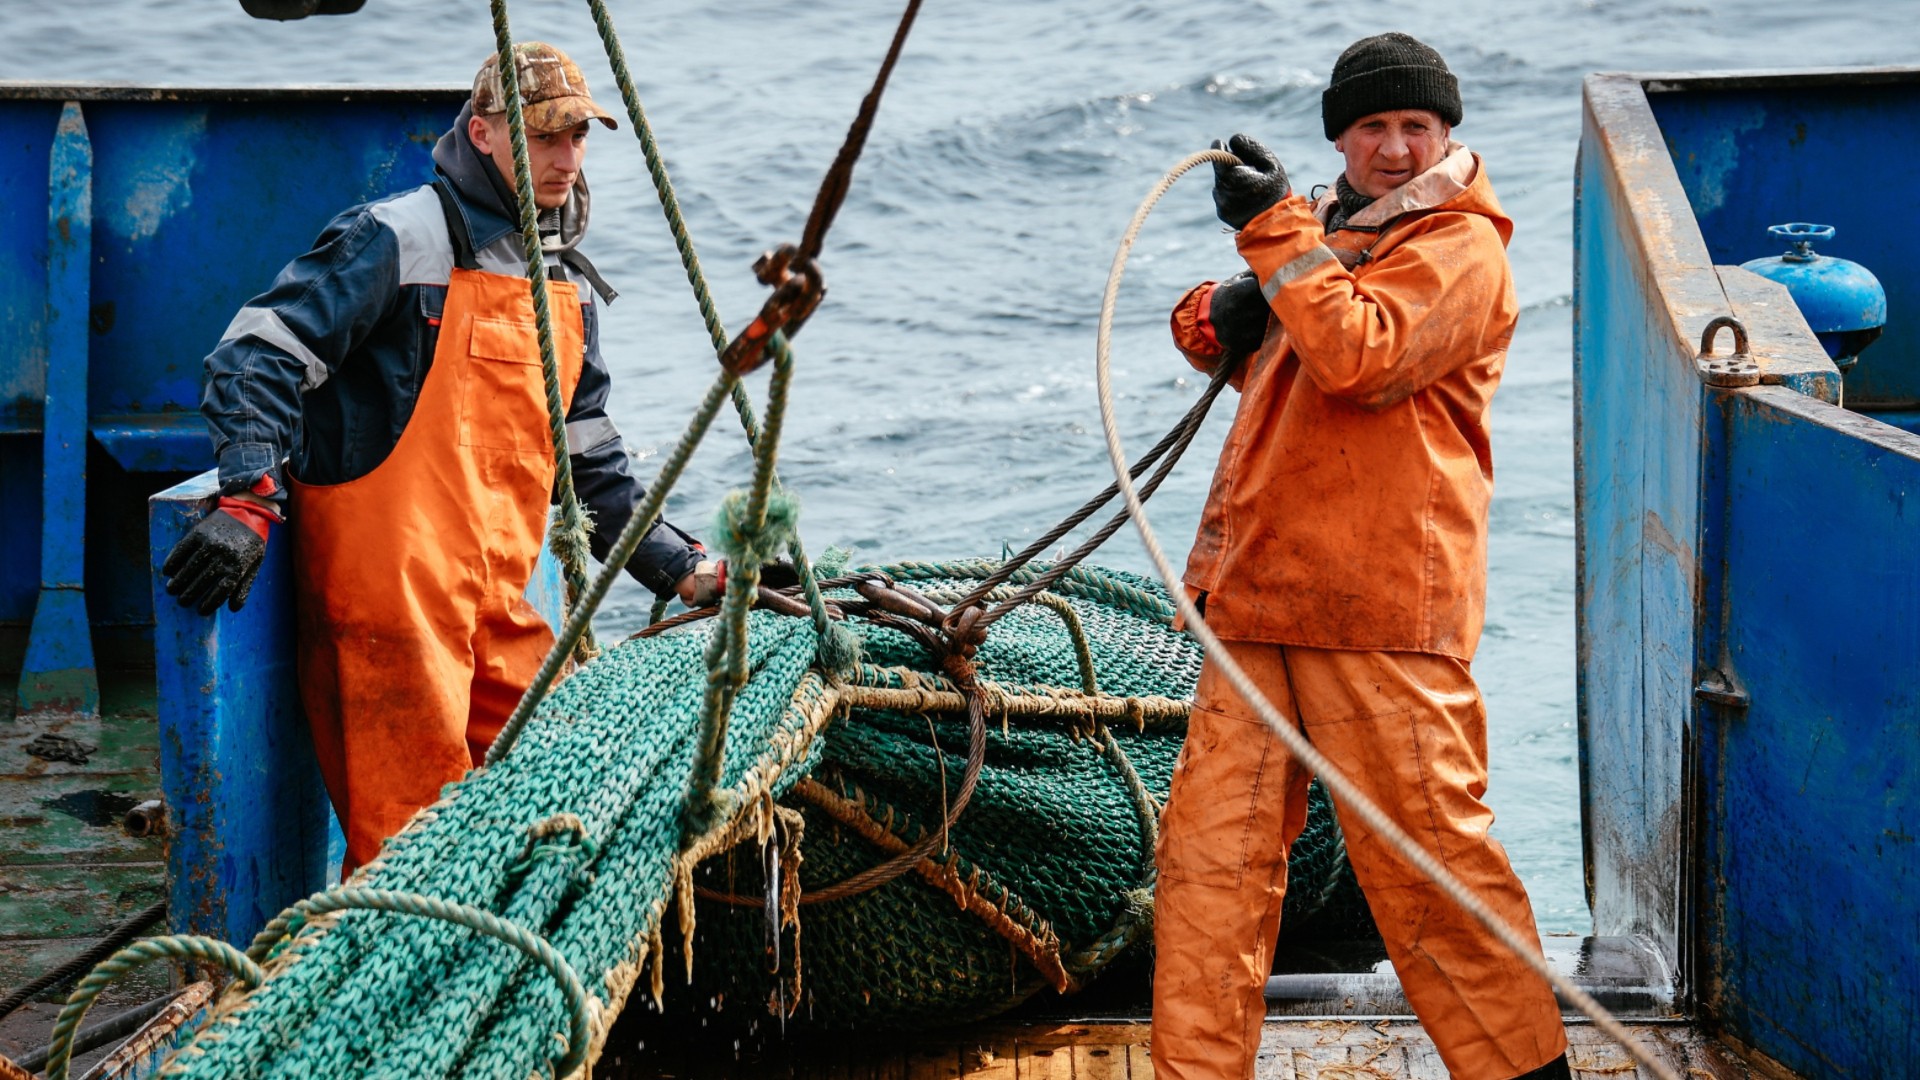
[{"x": 481, "y": 134}]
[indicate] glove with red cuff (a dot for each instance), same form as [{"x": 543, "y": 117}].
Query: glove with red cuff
[
  {"x": 708, "y": 582},
  {"x": 216, "y": 562}
]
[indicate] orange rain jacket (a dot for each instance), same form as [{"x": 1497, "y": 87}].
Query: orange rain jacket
[{"x": 1349, "y": 508}]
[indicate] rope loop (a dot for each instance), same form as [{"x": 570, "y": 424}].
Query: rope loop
[
  {"x": 562, "y": 836},
  {"x": 181, "y": 946},
  {"x": 573, "y": 1054}
]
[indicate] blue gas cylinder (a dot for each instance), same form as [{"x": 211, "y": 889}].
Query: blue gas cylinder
[{"x": 1841, "y": 300}]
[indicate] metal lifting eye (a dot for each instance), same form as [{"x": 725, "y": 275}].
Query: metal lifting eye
[
  {"x": 1728, "y": 322},
  {"x": 1737, "y": 369}
]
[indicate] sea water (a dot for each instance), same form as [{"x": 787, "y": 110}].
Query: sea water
[{"x": 944, "y": 400}]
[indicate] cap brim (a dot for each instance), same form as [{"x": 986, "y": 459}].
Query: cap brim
[{"x": 561, "y": 114}]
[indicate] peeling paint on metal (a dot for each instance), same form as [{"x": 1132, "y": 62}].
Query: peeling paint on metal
[
  {"x": 1714, "y": 162},
  {"x": 162, "y": 185}
]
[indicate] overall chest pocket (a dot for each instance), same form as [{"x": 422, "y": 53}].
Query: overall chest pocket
[{"x": 503, "y": 397}]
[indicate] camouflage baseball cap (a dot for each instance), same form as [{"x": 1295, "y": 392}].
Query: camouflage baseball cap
[{"x": 553, "y": 93}]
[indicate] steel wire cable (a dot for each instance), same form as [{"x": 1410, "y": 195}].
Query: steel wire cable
[{"x": 1296, "y": 743}]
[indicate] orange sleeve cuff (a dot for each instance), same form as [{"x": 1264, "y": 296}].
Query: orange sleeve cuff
[{"x": 1192, "y": 329}]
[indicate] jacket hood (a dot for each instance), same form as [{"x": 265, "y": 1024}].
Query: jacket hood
[
  {"x": 1458, "y": 183},
  {"x": 488, "y": 203}
]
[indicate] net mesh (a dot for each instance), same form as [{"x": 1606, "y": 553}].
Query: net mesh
[
  {"x": 1052, "y": 822},
  {"x": 1054, "y": 831}
]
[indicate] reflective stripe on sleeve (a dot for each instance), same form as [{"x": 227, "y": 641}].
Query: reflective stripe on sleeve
[
  {"x": 267, "y": 325},
  {"x": 586, "y": 435},
  {"x": 1300, "y": 266}
]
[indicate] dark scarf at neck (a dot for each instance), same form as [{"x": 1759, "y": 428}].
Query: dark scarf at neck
[{"x": 1348, "y": 203}]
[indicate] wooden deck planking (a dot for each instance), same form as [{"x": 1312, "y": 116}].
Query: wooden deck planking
[{"x": 1289, "y": 1050}]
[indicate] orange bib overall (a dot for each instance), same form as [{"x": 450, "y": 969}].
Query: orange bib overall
[{"x": 416, "y": 640}]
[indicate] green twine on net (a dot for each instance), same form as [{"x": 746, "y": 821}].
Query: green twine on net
[{"x": 348, "y": 898}]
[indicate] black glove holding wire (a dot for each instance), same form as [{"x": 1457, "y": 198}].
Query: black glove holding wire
[
  {"x": 1238, "y": 311},
  {"x": 1243, "y": 192}
]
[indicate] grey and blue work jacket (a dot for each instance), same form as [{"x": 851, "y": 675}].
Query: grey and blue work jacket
[{"x": 321, "y": 371}]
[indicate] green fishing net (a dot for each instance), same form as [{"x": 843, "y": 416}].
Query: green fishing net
[{"x": 576, "y": 836}]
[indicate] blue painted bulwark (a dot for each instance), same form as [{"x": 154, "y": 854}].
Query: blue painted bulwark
[
  {"x": 176, "y": 175},
  {"x": 58, "y": 674},
  {"x": 250, "y": 821},
  {"x": 1749, "y": 573}
]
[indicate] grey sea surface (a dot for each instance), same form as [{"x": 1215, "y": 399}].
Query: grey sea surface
[{"x": 944, "y": 402}]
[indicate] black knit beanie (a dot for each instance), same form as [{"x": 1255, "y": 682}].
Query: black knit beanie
[{"x": 1387, "y": 72}]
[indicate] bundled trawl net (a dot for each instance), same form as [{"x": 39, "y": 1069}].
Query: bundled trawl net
[{"x": 579, "y": 837}]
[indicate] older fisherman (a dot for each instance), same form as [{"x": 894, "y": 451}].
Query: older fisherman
[
  {"x": 1342, "y": 557},
  {"x": 385, "y": 396}
]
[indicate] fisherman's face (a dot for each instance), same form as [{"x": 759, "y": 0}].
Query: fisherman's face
[
  {"x": 554, "y": 157},
  {"x": 1387, "y": 149}
]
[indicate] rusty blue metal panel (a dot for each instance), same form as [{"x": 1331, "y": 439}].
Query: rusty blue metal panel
[
  {"x": 1786, "y": 594},
  {"x": 58, "y": 674},
  {"x": 179, "y": 175},
  {"x": 1808, "y": 919},
  {"x": 1758, "y": 151},
  {"x": 250, "y": 817},
  {"x": 1643, "y": 291}
]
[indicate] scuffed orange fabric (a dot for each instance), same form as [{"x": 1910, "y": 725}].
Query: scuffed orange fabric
[
  {"x": 1410, "y": 730},
  {"x": 415, "y": 637},
  {"x": 1349, "y": 507}
]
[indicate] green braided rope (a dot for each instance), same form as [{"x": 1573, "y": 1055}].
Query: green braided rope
[
  {"x": 348, "y": 898},
  {"x": 569, "y": 539},
  {"x": 727, "y": 651},
  {"x": 838, "y": 647},
  {"x": 110, "y": 970}
]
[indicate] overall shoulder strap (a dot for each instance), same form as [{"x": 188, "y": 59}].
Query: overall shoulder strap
[{"x": 456, "y": 227}]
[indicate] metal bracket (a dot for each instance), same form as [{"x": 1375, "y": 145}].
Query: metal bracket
[
  {"x": 58, "y": 674},
  {"x": 1717, "y": 688},
  {"x": 1727, "y": 371}
]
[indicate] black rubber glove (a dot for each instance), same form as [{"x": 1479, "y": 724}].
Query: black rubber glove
[
  {"x": 1242, "y": 192},
  {"x": 216, "y": 561},
  {"x": 1238, "y": 313}
]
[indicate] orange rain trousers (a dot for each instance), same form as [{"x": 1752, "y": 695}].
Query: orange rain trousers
[
  {"x": 1410, "y": 730},
  {"x": 415, "y": 638}
]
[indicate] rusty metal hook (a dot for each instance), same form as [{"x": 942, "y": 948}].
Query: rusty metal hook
[{"x": 797, "y": 290}]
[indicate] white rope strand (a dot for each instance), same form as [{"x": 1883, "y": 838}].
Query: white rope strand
[{"x": 1296, "y": 743}]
